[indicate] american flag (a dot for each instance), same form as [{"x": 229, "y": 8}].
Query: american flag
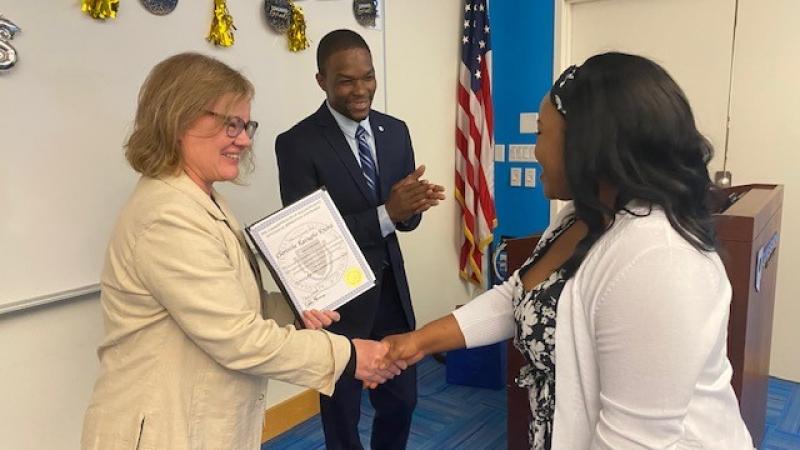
[{"x": 475, "y": 141}]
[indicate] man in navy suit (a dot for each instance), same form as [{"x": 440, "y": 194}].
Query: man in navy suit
[{"x": 366, "y": 162}]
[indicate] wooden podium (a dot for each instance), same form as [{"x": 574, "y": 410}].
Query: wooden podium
[
  {"x": 749, "y": 233},
  {"x": 748, "y": 230}
]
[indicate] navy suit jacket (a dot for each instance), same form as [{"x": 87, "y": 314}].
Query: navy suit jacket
[{"x": 315, "y": 153}]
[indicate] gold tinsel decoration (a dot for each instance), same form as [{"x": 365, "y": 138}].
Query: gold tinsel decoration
[
  {"x": 297, "y": 30},
  {"x": 221, "y": 32},
  {"x": 100, "y": 9}
]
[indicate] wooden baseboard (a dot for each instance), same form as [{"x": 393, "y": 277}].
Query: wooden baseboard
[{"x": 289, "y": 413}]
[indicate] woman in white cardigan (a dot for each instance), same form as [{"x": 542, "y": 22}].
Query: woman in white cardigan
[{"x": 624, "y": 295}]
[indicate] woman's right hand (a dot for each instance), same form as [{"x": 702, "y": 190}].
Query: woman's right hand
[
  {"x": 371, "y": 366},
  {"x": 404, "y": 347}
]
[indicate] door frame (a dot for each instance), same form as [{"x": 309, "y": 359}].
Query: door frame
[{"x": 562, "y": 28}]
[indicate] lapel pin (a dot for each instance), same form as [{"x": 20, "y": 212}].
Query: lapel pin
[{"x": 380, "y": 127}]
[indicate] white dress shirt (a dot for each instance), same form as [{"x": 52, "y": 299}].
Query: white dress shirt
[{"x": 349, "y": 127}]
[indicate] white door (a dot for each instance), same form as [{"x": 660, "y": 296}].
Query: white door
[
  {"x": 691, "y": 39},
  {"x": 764, "y": 146}
]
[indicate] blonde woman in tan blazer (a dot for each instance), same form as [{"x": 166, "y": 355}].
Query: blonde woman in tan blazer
[{"x": 189, "y": 345}]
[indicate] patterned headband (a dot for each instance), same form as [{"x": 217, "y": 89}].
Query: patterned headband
[{"x": 559, "y": 87}]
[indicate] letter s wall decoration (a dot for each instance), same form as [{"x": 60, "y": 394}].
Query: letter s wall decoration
[{"x": 8, "y": 54}]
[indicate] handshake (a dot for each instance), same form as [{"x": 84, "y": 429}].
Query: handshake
[{"x": 377, "y": 362}]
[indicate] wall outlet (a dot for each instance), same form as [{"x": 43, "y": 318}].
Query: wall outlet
[
  {"x": 516, "y": 176},
  {"x": 530, "y": 177},
  {"x": 499, "y": 152}
]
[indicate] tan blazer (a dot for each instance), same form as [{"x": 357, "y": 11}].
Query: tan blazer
[{"x": 187, "y": 352}]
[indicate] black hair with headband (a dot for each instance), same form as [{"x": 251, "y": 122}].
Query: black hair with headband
[
  {"x": 560, "y": 88},
  {"x": 629, "y": 126}
]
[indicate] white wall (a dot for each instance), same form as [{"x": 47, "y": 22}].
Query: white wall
[
  {"x": 79, "y": 118},
  {"x": 49, "y": 364},
  {"x": 47, "y": 368},
  {"x": 423, "y": 52},
  {"x": 764, "y": 138}
]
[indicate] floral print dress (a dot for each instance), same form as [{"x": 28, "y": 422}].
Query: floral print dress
[{"x": 535, "y": 317}]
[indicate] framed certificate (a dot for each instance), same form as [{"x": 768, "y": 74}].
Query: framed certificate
[{"x": 311, "y": 254}]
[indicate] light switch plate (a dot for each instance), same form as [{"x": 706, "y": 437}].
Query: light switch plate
[
  {"x": 530, "y": 177},
  {"x": 530, "y": 153},
  {"x": 521, "y": 153},
  {"x": 499, "y": 152},
  {"x": 516, "y": 176}
]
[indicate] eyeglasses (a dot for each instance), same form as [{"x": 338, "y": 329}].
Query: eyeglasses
[{"x": 235, "y": 125}]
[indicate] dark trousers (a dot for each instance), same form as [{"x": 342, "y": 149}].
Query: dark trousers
[{"x": 394, "y": 401}]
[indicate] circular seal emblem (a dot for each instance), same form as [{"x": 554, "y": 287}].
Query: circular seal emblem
[
  {"x": 316, "y": 256},
  {"x": 279, "y": 14},
  {"x": 160, "y": 7}
]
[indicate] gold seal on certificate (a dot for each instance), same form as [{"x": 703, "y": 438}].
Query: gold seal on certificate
[{"x": 311, "y": 254}]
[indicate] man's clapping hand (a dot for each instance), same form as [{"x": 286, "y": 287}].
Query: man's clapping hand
[{"x": 411, "y": 196}]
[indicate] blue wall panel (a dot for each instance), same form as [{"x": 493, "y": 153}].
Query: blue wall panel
[{"x": 522, "y": 42}]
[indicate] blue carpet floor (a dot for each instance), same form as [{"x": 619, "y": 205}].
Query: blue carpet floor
[
  {"x": 783, "y": 416},
  {"x": 458, "y": 417}
]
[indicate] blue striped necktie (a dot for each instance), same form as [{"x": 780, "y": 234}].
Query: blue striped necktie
[{"x": 367, "y": 162}]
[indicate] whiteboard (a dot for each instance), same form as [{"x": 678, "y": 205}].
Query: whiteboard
[{"x": 68, "y": 105}]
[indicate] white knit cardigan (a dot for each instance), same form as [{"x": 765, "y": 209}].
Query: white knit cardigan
[{"x": 641, "y": 335}]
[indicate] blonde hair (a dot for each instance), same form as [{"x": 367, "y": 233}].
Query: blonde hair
[{"x": 177, "y": 92}]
